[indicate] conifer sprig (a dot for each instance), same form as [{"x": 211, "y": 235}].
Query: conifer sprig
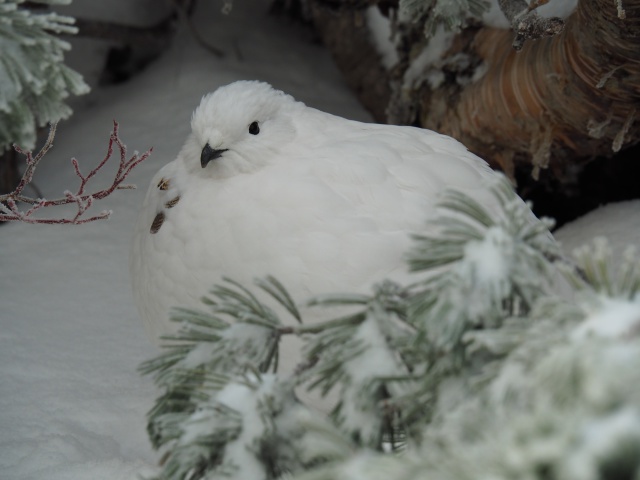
[
  {"x": 35, "y": 80},
  {"x": 476, "y": 366}
]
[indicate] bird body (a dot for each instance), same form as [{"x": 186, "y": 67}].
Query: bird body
[{"x": 266, "y": 185}]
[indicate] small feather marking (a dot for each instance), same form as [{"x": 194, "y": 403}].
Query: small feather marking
[
  {"x": 172, "y": 203},
  {"x": 164, "y": 183},
  {"x": 157, "y": 223}
]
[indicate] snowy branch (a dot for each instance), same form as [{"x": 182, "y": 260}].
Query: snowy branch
[
  {"x": 527, "y": 24},
  {"x": 10, "y": 211},
  {"x": 480, "y": 344}
]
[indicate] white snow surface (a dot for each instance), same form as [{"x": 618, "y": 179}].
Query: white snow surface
[
  {"x": 618, "y": 222},
  {"x": 72, "y": 405}
]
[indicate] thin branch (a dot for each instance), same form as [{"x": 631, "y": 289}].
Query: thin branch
[
  {"x": 9, "y": 210},
  {"x": 156, "y": 35},
  {"x": 32, "y": 163},
  {"x": 183, "y": 14}
]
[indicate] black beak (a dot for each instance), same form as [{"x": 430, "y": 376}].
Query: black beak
[{"x": 209, "y": 154}]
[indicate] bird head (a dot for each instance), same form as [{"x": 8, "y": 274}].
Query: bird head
[{"x": 239, "y": 128}]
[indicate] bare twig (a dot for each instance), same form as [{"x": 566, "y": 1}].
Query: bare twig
[
  {"x": 10, "y": 211},
  {"x": 184, "y": 17},
  {"x": 157, "y": 35},
  {"x": 526, "y": 23}
]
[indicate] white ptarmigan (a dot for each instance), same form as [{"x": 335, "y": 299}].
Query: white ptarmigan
[{"x": 266, "y": 185}]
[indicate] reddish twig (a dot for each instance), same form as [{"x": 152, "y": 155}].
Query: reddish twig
[{"x": 9, "y": 210}]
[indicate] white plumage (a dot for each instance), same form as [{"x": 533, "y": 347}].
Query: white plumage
[{"x": 266, "y": 185}]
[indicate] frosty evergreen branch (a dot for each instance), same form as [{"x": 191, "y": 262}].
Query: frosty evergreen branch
[
  {"x": 10, "y": 211},
  {"x": 431, "y": 365},
  {"x": 452, "y": 15},
  {"x": 35, "y": 80}
]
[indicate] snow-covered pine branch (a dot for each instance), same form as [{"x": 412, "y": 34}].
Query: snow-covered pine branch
[
  {"x": 9, "y": 202},
  {"x": 34, "y": 81},
  {"x": 497, "y": 264},
  {"x": 368, "y": 357},
  {"x": 452, "y": 15},
  {"x": 477, "y": 367},
  {"x": 221, "y": 413},
  {"x": 563, "y": 404},
  {"x": 526, "y": 23}
]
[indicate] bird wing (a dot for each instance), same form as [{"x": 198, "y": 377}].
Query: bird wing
[{"x": 395, "y": 175}]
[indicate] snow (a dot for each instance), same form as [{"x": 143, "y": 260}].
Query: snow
[
  {"x": 618, "y": 222},
  {"x": 601, "y": 437},
  {"x": 488, "y": 262},
  {"x": 244, "y": 400},
  {"x": 72, "y": 405},
  {"x": 200, "y": 354},
  {"x": 380, "y": 30},
  {"x": 613, "y": 319},
  {"x": 430, "y": 55},
  {"x": 555, "y": 8},
  {"x": 376, "y": 360}
]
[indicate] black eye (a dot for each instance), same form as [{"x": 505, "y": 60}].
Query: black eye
[{"x": 254, "y": 129}]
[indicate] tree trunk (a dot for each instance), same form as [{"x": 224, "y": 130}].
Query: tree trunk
[
  {"x": 559, "y": 102},
  {"x": 345, "y": 33}
]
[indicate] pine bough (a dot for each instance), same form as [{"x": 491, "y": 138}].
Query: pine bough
[
  {"x": 34, "y": 81},
  {"x": 453, "y": 15},
  {"x": 476, "y": 370}
]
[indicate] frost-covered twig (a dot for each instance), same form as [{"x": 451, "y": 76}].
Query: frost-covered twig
[
  {"x": 527, "y": 24},
  {"x": 10, "y": 211}
]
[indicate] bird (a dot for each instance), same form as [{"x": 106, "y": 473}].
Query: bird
[{"x": 265, "y": 185}]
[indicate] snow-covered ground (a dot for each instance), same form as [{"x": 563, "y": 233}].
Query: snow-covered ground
[{"x": 72, "y": 405}]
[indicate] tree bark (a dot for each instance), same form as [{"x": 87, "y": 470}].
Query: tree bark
[
  {"x": 344, "y": 32},
  {"x": 559, "y": 102},
  {"x": 572, "y": 96}
]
